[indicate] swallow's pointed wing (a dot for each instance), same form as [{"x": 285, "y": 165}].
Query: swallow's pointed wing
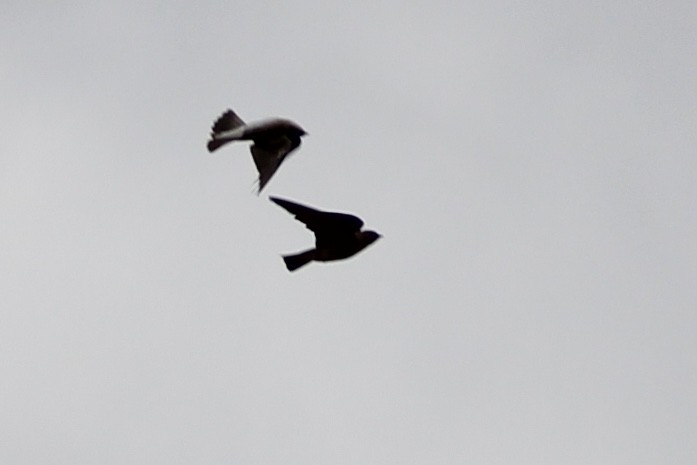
[
  {"x": 267, "y": 162},
  {"x": 322, "y": 223},
  {"x": 268, "y": 156}
]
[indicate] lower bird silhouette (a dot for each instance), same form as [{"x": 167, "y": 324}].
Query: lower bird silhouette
[{"x": 337, "y": 235}]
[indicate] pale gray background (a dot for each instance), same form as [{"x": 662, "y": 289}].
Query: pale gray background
[{"x": 531, "y": 165}]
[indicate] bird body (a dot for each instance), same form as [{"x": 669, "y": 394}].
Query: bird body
[
  {"x": 274, "y": 139},
  {"x": 337, "y": 235},
  {"x": 269, "y": 128}
]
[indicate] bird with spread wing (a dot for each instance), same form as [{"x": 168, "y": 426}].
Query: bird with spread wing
[
  {"x": 337, "y": 235},
  {"x": 273, "y": 140}
]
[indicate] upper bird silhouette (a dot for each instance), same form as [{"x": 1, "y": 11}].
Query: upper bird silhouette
[
  {"x": 337, "y": 235},
  {"x": 274, "y": 139}
]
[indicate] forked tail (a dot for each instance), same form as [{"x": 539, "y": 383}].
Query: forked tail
[{"x": 227, "y": 122}]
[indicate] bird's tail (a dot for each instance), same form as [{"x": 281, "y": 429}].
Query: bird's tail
[
  {"x": 293, "y": 262},
  {"x": 214, "y": 144},
  {"x": 222, "y": 130}
]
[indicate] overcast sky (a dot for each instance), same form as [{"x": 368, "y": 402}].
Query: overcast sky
[{"x": 532, "y": 167}]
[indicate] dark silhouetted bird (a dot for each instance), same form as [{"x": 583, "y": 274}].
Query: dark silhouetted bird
[
  {"x": 337, "y": 235},
  {"x": 274, "y": 139}
]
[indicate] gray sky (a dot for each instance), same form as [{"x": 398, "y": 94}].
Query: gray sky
[{"x": 532, "y": 167}]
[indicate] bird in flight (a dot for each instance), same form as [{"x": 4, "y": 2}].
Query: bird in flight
[
  {"x": 337, "y": 235},
  {"x": 274, "y": 139}
]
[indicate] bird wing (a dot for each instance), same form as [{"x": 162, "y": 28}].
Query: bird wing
[
  {"x": 269, "y": 154},
  {"x": 322, "y": 223}
]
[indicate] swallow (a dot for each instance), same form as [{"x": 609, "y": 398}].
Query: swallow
[
  {"x": 274, "y": 139},
  {"x": 337, "y": 235}
]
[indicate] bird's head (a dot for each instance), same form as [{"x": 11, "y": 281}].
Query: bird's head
[
  {"x": 295, "y": 128},
  {"x": 368, "y": 237}
]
